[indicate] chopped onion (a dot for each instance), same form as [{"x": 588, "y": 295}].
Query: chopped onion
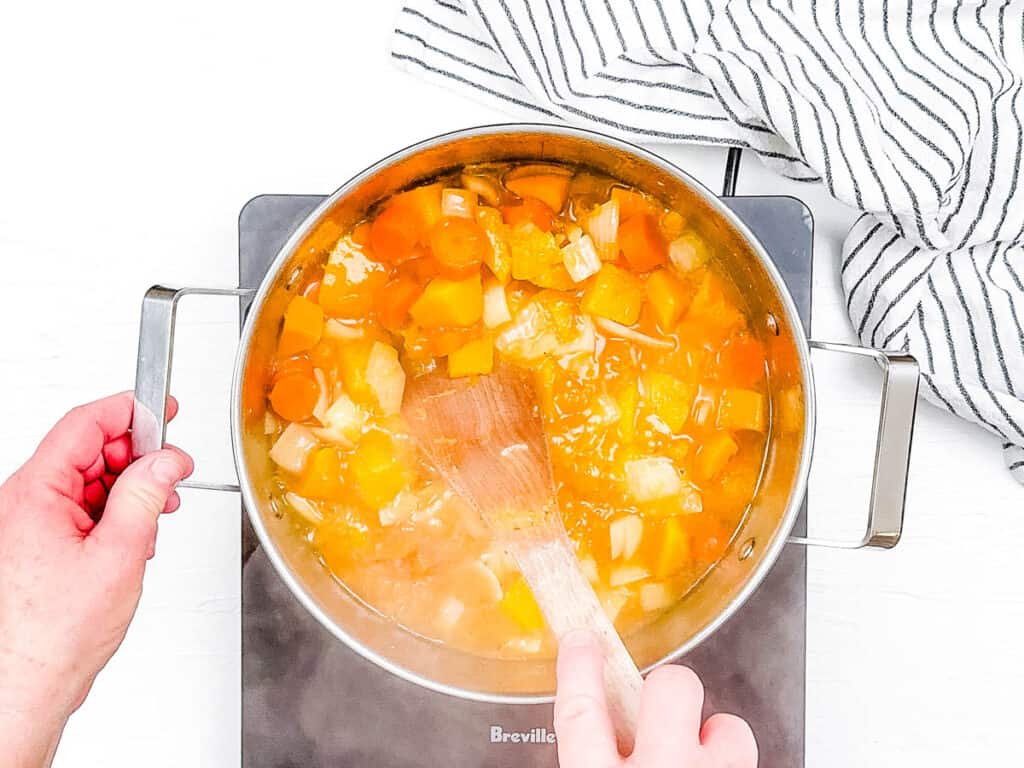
[
  {"x": 458, "y": 202},
  {"x": 532, "y": 335},
  {"x": 385, "y": 377},
  {"x": 292, "y": 448},
  {"x": 500, "y": 562},
  {"x": 496, "y": 311},
  {"x": 581, "y": 259},
  {"x": 687, "y": 252},
  {"x": 614, "y": 602},
  {"x": 321, "y": 402},
  {"x": 604, "y": 410},
  {"x": 304, "y": 507},
  {"x": 483, "y": 186},
  {"x": 343, "y": 421},
  {"x": 588, "y": 567},
  {"x": 690, "y": 501},
  {"x": 627, "y": 574},
  {"x": 491, "y": 587},
  {"x": 625, "y": 534},
  {"x": 603, "y": 227},
  {"x": 652, "y": 478},
  {"x": 704, "y": 405},
  {"x": 450, "y": 612},
  {"x": 336, "y": 329},
  {"x": 611, "y": 328},
  {"x": 399, "y": 509},
  {"x": 269, "y": 423},
  {"x": 654, "y": 597}
]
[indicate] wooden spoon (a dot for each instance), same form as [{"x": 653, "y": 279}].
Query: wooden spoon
[{"x": 486, "y": 438}]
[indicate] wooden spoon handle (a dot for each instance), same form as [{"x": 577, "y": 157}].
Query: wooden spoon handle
[{"x": 568, "y": 602}]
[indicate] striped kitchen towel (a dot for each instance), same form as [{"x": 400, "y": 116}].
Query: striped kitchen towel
[{"x": 910, "y": 110}]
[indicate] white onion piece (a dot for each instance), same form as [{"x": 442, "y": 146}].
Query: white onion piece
[
  {"x": 603, "y": 227},
  {"x": 484, "y": 187},
  {"x": 269, "y": 423},
  {"x": 450, "y": 613},
  {"x": 343, "y": 422},
  {"x": 304, "y": 507},
  {"x": 686, "y": 252},
  {"x": 611, "y": 328},
  {"x": 496, "y": 311},
  {"x": 627, "y": 574},
  {"x": 458, "y": 202},
  {"x": 588, "y": 567},
  {"x": 581, "y": 259},
  {"x": 500, "y": 561},
  {"x": 652, "y": 478},
  {"x": 385, "y": 377},
  {"x": 625, "y": 534},
  {"x": 614, "y": 602},
  {"x": 321, "y": 401},
  {"x": 604, "y": 410},
  {"x": 292, "y": 448},
  {"x": 654, "y": 597}
]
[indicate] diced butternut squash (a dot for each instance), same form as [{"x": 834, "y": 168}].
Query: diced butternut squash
[
  {"x": 550, "y": 189},
  {"x": 405, "y": 223},
  {"x": 713, "y": 454},
  {"x": 529, "y": 211},
  {"x": 741, "y": 409},
  {"x": 377, "y": 471},
  {"x": 323, "y": 475},
  {"x": 385, "y": 377},
  {"x": 303, "y": 324},
  {"x": 668, "y": 398},
  {"x": 533, "y": 252},
  {"x": 742, "y": 361},
  {"x": 475, "y": 358},
  {"x": 615, "y": 294},
  {"x": 350, "y": 286},
  {"x": 352, "y": 360},
  {"x": 628, "y": 399},
  {"x": 674, "y": 551},
  {"x": 294, "y": 396},
  {"x": 450, "y": 303},
  {"x": 669, "y": 298},
  {"x": 641, "y": 242},
  {"x": 342, "y": 539},
  {"x": 519, "y": 605},
  {"x": 459, "y": 245},
  {"x": 652, "y": 478}
]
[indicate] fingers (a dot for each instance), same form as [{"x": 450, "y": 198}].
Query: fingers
[
  {"x": 729, "y": 742},
  {"x": 670, "y": 713},
  {"x": 78, "y": 438},
  {"x": 586, "y": 738},
  {"x": 137, "y": 498}
]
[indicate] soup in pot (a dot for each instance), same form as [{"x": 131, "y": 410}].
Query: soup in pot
[{"x": 650, "y": 381}]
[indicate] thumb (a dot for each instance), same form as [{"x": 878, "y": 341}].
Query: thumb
[
  {"x": 137, "y": 498},
  {"x": 586, "y": 738}
]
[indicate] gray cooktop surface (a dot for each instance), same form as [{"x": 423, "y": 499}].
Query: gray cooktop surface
[{"x": 310, "y": 702}]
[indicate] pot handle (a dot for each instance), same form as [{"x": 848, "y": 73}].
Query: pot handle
[
  {"x": 153, "y": 370},
  {"x": 892, "y": 452}
]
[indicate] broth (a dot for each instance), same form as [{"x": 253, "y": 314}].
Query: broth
[{"x": 650, "y": 381}]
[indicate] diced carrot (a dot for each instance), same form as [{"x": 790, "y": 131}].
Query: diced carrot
[
  {"x": 459, "y": 245},
  {"x": 450, "y": 303},
  {"x": 475, "y": 358},
  {"x": 669, "y": 298},
  {"x": 741, "y": 409},
  {"x": 349, "y": 287},
  {"x": 303, "y": 323},
  {"x": 550, "y": 189},
  {"x": 519, "y": 605},
  {"x": 742, "y": 361},
  {"x": 632, "y": 203},
  {"x": 530, "y": 210},
  {"x": 322, "y": 477},
  {"x": 668, "y": 398},
  {"x": 377, "y": 470},
  {"x": 641, "y": 242},
  {"x": 713, "y": 454},
  {"x": 675, "y": 549},
  {"x": 294, "y": 396},
  {"x": 405, "y": 222},
  {"x": 615, "y": 294},
  {"x": 394, "y": 302}
]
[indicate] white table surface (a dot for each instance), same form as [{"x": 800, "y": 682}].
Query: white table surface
[{"x": 130, "y": 136}]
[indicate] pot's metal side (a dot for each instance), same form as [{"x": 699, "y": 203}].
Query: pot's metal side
[{"x": 771, "y": 516}]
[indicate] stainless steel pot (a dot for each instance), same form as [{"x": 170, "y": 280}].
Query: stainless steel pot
[{"x": 772, "y": 512}]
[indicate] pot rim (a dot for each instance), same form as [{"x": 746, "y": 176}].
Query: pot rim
[{"x": 799, "y": 336}]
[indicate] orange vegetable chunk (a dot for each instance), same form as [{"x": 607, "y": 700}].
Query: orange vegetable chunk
[
  {"x": 741, "y": 409},
  {"x": 475, "y": 358},
  {"x": 669, "y": 398},
  {"x": 394, "y": 302},
  {"x": 551, "y": 189},
  {"x": 713, "y": 454},
  {"x": 303, "y": 324},
  {"x": 405, "y": 222},
  {"x": 675, "y": 549},
  {"x": 669, "y": 298},
  {"x": 742, "y": 360},
  {"x": 533, "y": 252},
  {"x": 377, "y": 471},
  {"x": 459, "y": 245},
  {"x": 350, "y": 285},
  {"x": 530, "y": 211},
  {"x": 342, "y": 539},
  {"x": 641, "y": 242},
  {"x": 323, "y": 476},
  {"x": 352, "y": 364},
  {"x": 615, "y": 294},
  {"x": 294, "y": 396},
  {"x": 519, "y": 605},
  {"x": 633, "y": 203},
  {"x": 450, "y": 303}
]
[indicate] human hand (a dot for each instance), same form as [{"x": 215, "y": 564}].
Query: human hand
[
  {"x": 669, "y": 733},
  {"x": 77, "y": 524}
]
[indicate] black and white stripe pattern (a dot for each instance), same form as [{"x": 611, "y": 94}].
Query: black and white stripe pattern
[{"x": 910, "y": 110}]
